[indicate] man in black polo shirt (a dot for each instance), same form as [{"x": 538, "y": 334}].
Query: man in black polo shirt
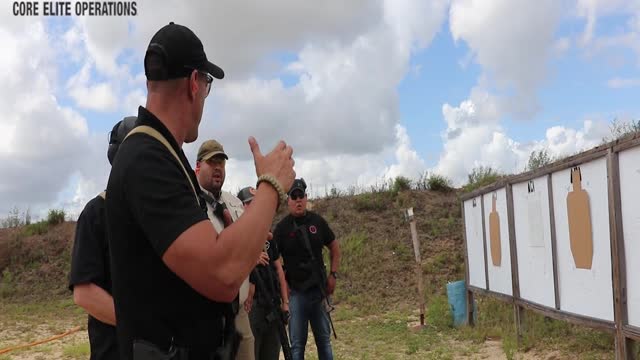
[
  {"x": 90, "y": 278},
  {"x": 306, "y": 301},
  {"x": 173, "y": 274}
]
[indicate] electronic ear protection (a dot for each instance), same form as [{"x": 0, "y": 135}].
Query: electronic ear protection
[
  {"x": 159, "y": 72},
  {"x": 117, "y": 135}
]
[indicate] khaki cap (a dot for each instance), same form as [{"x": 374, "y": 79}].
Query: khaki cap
[{"x": 210, "y": 148}]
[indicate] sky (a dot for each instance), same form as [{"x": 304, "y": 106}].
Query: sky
[{"x": 363, "y": 90}]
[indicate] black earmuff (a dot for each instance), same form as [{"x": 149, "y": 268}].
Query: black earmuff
[
  {"x": 158, "y": 71},
  {"x": 117, "y": 135}
]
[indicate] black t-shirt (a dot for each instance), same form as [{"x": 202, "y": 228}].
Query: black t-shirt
[
  {"x": 90, "y": 264},
  {"x": 268, "y": 274},
  {"x": 149, "y": 204},
  {"x": 296, "y": 257}
]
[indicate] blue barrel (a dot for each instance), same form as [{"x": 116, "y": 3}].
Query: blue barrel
[{"x": 457, "y": 294}]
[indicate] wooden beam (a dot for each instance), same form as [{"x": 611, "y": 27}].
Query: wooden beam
[
  {"x": 484, "y": 244},
  {"x": 627, "y": 143},
  {"x": 631, "y": 332},
  {"x": 618, "y": 273},
  {"x": 608, "y": 326},
  {"x": 493, "y": 294},
  {"x": 467, "y": 279},
  {"x": 554, "y": 245},
  {"x": 513, "y": 251}
]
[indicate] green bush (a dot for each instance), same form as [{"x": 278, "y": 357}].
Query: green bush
[
  {"x": 440, "y": 183},
  {"x": 538, "y": 159},
  {"x": 481, "y": 176},
  {"x": 401, "y": 183},
  {"x": 370, "y": 202},
  {"x": 55, "y": 217}
]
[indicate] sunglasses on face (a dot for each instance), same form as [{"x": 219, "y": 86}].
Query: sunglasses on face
[
  {"x": 208, "y": 78},
  {"x": 297, "y": 195}
]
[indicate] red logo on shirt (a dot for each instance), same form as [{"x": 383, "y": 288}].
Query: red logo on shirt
[{"x": 313, "y": 229}]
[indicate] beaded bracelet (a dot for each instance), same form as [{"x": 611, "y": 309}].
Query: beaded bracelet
[{"x": 282, "y": 195}]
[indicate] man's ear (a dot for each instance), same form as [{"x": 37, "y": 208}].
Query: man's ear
[
  {"x": 197, "y": 169},
  {"x": 193, "y": 84}
]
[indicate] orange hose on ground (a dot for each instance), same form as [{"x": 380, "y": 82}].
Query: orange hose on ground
[{"x": 12, "y": 348}]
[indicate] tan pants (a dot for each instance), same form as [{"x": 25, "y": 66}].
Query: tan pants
[{"x": 246, "y": 349}]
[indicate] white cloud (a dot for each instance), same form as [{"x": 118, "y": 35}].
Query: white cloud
[
  {"x": 612, "y": 45},
  {"x": 590, "y": 10},
  {"x": 345, "y": 100},
  {"x": 342, "y": 171},
  {"x": 475, "y": 138},
  {"x": 44, "y": 141},
  {"x": 93, "y": 96},
  {"x": 341, "y": 113},
  {"x": 511, "y": 40},
  {"x": 619, "y": 83},
  {"x": 407, "y": 161}
]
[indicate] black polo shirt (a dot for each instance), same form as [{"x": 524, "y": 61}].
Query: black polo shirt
[
  {"x": 295, "y": 255},
  {"x": 149, "y": 204},
  {"x": 90, "y": 264}
]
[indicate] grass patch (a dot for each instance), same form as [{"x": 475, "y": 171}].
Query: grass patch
[
  {"x": 370, "y": 202},
  {"x": 77, "y": 351},
  {"x": 438, "y": 313},
  {"x": 351, "y": 250},
  {"x": 38, "y": 228},
  {"x": 7, "y": 284}
]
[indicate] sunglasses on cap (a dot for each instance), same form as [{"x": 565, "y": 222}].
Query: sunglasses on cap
[{"x": 297, "y": 195}]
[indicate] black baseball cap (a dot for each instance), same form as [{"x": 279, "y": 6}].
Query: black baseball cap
[
  {"x": 181, "y": 52},
  {"x": 298, "y": 184},
  {"x": 246, "y": 195}
]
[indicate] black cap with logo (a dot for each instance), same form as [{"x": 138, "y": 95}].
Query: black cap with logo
[
  {"x": 180, "y": 52},
  {"x": 298, "y": 184}
]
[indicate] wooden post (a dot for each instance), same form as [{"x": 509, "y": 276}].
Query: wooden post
[
  {"x": 554, "y": 248},
  {"x": 484, "y": 244},
  {"x": 469, "y": 293},
  {"x": 618, "y": 264},
  {"x": 515, "y": 279},
  {"x": 416, "y": 250}
]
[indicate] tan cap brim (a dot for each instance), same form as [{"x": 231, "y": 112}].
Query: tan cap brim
[{"x": 212, "y": 154}]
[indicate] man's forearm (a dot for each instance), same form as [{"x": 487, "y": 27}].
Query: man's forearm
[
  {"x": 240, "y": 244},
  {"x": 96, "y": 301},
  {"x": 215, "y": 264}
]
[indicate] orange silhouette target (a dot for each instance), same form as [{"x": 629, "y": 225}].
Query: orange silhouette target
[
  {"x": 579, "y": 215},
  {"x": 494, "y": 232}
]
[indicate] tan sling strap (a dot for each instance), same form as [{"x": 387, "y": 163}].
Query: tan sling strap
[
  {"x": 148, "y": 130},
  {"x": 103, "y": 195}
]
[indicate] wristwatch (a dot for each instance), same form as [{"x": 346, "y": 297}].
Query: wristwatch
[{"x": 334, "y": 274}]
